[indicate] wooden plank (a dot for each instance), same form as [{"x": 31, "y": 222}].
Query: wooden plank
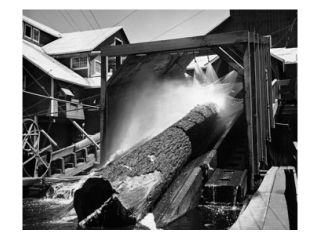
[
  {"x": 176, "y": 44},
  {"x": 268, "y": 91},
  {"x": 268, "y": 64},
  {"x": 260, "y": 104},
  {"x": 277, "y": 213},
  {"x": 268, "y": 207},
  {"x": 184, "y": 193},
  {"x": 254, "y": 215},
  {"x": 257, "y": 115},
  {"x": 248, "y": 112},
  {"x": 103, "y": 109},
  {"x": 264, "y": 98}
]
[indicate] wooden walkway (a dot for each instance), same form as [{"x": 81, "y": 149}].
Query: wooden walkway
[{"x": 274, "y": 205}]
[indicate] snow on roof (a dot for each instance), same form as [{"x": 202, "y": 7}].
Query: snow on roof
[
  {"x": 79, "y": 41},
  {"x": 285, "y": 55},
  {"x": 42, "y": 27},
  {"x": 202, "y": 61},
  {"x": 49, "y": 65}
]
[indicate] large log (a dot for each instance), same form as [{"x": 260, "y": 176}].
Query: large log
[{"x": 141, "y": 176}]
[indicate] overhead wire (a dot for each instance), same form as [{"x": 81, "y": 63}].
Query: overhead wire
[
  {"x": 83, "y": 14},
  {"x": 67, "y": 20},
  {"x": 178, "y": 24},
  {"x": 95, "y": 19},
  {"x": 124, "y": 18},
  {"x": 72, "y": 20},
  {"x": 46, "y": 112}
]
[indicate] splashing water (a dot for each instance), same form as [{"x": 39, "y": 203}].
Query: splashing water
[
  {"x": 162, "y": 103},
  {"x": 63, "y": 192}
]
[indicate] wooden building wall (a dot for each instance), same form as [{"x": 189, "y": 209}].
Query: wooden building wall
[
  {"x": 45, "y": 38},
  {"x": 280, "y": 24},
  {"x": 66, "y": 59},
  {"x": 92, "y": 116}
]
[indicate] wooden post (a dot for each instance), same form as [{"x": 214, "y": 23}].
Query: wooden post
[
  {"x": 268, "y": 63},
  {"x": 262, "y": 106},
  {"x": 265, "y": 94},
  {"x": 248, "y": 112},
  {"x": 257, "y": 95},
  {"x": 268, "y": 89},
  {"x": 103, "y": 109},
  {"x": 52, "y": 95}
]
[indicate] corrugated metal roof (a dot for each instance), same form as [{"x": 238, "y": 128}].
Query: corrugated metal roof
[
  {"x": 79, "y": 41},
  {"x": 285, "y": 55},
  {"x": 42, "y": 27},
  {"x": 49, "y": 65}
]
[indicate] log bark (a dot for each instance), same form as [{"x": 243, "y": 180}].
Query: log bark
[{"x": 141, "y": 176}]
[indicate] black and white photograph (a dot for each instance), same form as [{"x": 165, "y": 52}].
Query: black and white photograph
[
  {"x": 159, "y": 115},
  {"x": 142, "y": 119}
]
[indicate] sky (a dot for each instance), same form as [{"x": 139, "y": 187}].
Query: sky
[{"x": 139, "y": 25}]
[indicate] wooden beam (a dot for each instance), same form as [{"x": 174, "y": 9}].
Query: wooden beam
[
  {"x": 269, "y": 207},
  {"x": 78, "y": 54},
  {"x": 248, "y": 111},
  {"x": 177, "y": 44},
  {"x": 103, "y": 109},
  {"x": 224, "y": 55},
  {"x": 257, "y": 116}
]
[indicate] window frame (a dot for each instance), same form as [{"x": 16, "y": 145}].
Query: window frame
[
  {"x": 33, "y": 38},
  {"x": 31, "y": 31},
  {"x": 78, "y": 68},
  {"x": 114, "y": 43},
  {"x": 94, "y": 67}
]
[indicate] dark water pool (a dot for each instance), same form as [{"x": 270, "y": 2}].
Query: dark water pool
[
  {"x": 51, "y": 214},
  {"x": 207, "y": 217}
]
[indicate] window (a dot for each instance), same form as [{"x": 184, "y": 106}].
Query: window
[
  {"x": 114, "y": 62},
  {"x": 79, "y": 62},
  {"x": 97, "y": 66},
  {"x": 112, "y": 66},
  {"x": 36, "y": 35},
  {"x": 27, "y": 31}
]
